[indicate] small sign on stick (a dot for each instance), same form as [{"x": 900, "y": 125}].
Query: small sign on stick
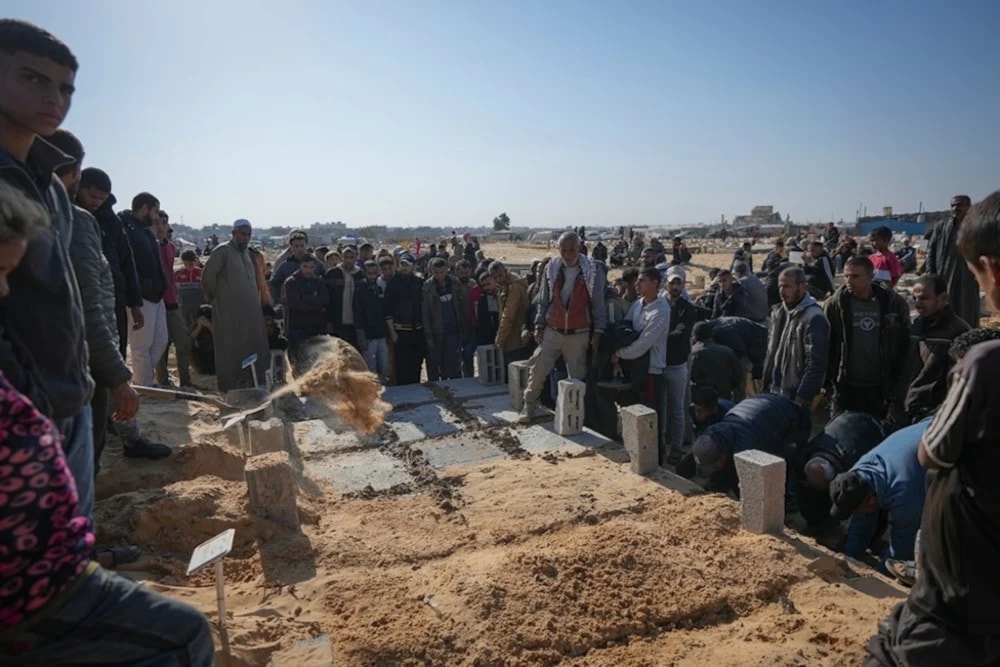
[{"x": 206, "y": 553}]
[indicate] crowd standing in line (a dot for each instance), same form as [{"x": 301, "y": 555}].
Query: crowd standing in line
[{"x": 744, "y": 366}]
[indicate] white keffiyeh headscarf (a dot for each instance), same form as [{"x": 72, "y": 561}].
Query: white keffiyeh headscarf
[{"x": 587, "y": 269}]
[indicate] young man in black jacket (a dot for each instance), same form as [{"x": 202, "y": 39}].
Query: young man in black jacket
[
  {"x": 682, "y": 319},
  {"x": 341, "y": 281},
  {"x": 149, "y": 342},
  {"x": 94, "y": 195},
  {"x": 306, "y": 301},
  {"x": 403, "y": 309},
  {"x": 371, "y": 322}
]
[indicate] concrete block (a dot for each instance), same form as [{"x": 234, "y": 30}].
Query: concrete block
[
  {"x": 517, "y": 382},
  {"x": 639, "y": 432},
  {"x": 273, "y": 435},
  {"x": 762, "y": 491},
  {"x": 569, "y": 407},
  {"x": 272, "y": 489},
  {"x": 489, "y": 361}
]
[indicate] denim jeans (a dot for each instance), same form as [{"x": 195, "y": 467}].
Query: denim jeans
[
  {"x": 676, "y": 378},
  {"x": 444, "y": 358},
  {"x": 111, "y": 620},
  {"x": 78, "y": 447},
  {"x": 469, "y": 358},
  {"x": 377, "y": 357}
]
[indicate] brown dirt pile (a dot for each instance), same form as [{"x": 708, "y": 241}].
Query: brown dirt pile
[{"x": 338, "y": 376}]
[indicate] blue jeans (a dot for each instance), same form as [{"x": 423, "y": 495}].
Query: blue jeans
[
  {"x": 78, "y": 448},
  {"x": 377, "y": 357},
  {"x": 676, "y": 378},
  {"x": 111, "y": 620},
  {"x": 444, "y": 358}
]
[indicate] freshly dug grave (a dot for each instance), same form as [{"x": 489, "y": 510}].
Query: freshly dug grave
[{"x": 534, "y": 562}]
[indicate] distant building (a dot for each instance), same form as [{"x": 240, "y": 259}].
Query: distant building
[
  {"x": 911, "y": 224},
  {"x": 759, "y": 217}
]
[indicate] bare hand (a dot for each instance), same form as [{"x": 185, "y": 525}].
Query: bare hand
[
  {"x": 393, "y": 336},
  {"x": 126, "y": 402},
  {"x": 539, "y": 335},
  {"x": 525, "y": 337},
  {"x": 138, "y": 321},
  {"x": 595, "y": 341}
]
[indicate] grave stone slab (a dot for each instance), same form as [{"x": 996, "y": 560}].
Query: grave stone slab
[
  {"x": 273, "y": 435},
  {"x": 272, "y": 488},
  {"x": 492, "y": 410},
  {"x": 315, "y": 438},
  {"x": 465, "y": 389},
  {"x": 353, "y": 471},
  {"x": 408, "y": 394},
  {"x": 460, "y": 449},
  {"x": 542, "y": 439},
  {"x": 426, "y": 421},
  {"x": 762, "y": 491}
]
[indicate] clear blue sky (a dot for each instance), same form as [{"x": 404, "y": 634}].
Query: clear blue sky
[{"x": 557, "y": 112}]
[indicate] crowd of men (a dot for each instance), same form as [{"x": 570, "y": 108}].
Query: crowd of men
[{"x": 911, "y": 440}]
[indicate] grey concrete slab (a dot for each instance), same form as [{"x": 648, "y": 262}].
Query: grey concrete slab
[
  {"x": 408, "y": 394},
  {"x": 542, "y": 438},
  {"x": 317, "y": 438},
  {"x": 468, "y": 388},
  {"x": 461, "y": 449},
  {"x": 492, "y": 410},
  {"x": 353, "y": 471},
  {"x": 426, "y": 421}
]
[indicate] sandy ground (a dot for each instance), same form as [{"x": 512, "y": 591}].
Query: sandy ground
[{"x": 532, "y": 560}]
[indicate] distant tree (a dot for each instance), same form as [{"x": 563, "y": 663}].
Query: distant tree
[{"x": 501, "y": 222}]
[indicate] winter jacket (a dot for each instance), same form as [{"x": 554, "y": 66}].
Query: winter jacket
[
  {"x": 744, "y": 337},
  {"x": 433, "y": 323},
  {"x": 652, "y": 321},
  {"x": 306, "y": 301},
  {"x": 682, "y": 320},
  {"x": 943, "y": 259},
  {"x": 756, "y": 298},
  {"x": 717, "y": 366},
  {"x": 282, "y": 271},
  {"x": 118, "y": 252},
  {"x": 798, "y": 348},
  {"x": 146, "y": 251},
  {"x": 168, "y": 253},
  {"x": 513, "y": 307},
  {"x": 845, "y": 439},
  {"x": 894, "y": 473},
  {"x": 335, "y": 284},
  {"x": 733, "y": 304},
  {"x": 929, "y": 361},
  {"x": 765, "y": 422},
  {"x": 585, "y": 311},
  {"x": 190, "y": 292},
  {"x": 43, "y": 314},
  {"x": 487, "y": 321},
  {"x": 97, "y": 292},
  {"x": 819, "y": 276},
  {"x": 894, "y": 337},
  {"x": 404, "y": 302},
  {"x": 370, "y": 319}
]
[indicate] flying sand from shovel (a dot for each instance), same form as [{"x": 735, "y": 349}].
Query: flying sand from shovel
[{"x": 336, "y": 375}]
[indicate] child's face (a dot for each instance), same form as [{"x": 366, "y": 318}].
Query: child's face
[
  {"x": 188, "y": 264},
  {"x": 35, "y": 92}
]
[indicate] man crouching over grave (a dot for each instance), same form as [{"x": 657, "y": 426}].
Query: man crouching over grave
[
  {"x": 766, "y": 422},
  {"x": 571, "y": 316}
]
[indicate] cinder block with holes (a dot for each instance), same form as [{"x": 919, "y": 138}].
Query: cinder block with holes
[
  {"x": 569, "y": 407},
  {"x": 489, "y": 361},
  {"x": 639, "y": 433},
  {"x": 517, "y": 382}
]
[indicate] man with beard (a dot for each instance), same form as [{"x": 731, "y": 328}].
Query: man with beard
[
  {"x": 230, "y": 283},
  {"x": 931, "y": 335},
  {"x": 306, "y": 299},
  {"x": 404, "y": 310},
  {"x": 513, "y": 297},
  {"x": 341, "y": 281},
  {"x": 150, "y": 341},
  {"x": 943, "y": 259},
  {"x": 297, "y": 247}
]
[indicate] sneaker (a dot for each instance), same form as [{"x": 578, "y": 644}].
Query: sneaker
[
  {"x": 527, "y": 414},
  {"x": 112, "y": 557},
  {"x": 144, "y": 449}
]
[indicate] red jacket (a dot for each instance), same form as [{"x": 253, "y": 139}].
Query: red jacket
[
  {"x": 184, "y": 278},
  {"x": 577, "y": 316}
]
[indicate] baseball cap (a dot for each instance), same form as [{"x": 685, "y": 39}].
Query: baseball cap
[
  {"x": 847, "y": 491},
  {"x": 406, "y": 258},
  {"x": 709, "y": 454},
  {"x": 675, "y": 272}
]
